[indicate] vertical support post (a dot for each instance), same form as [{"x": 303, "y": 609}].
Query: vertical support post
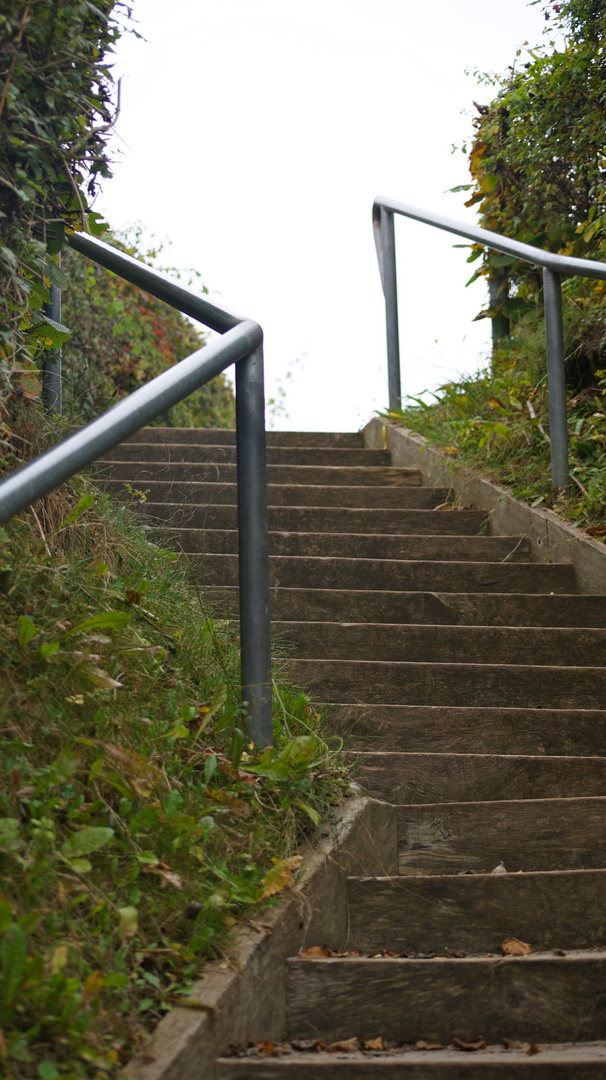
[
  {"x": 390, "y": 291},
  {"x": 253, "y": 546},
  {"x": 556, "y": 384},
  {"x": 51, "y": 365}
]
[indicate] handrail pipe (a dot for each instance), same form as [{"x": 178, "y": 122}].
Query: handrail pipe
[
  {"x": 241, "y": 344},
  {"x": 553, "y": 266}
]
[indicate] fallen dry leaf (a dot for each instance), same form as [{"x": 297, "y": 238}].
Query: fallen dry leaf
[
  {"x": 532, "y": 1049},
  {"x": 422, "y": 1045},
  {"x": 266, "y": 1049},
  {"x": 512, "y": 946},
  {"x": 314, "y": 952},
  {"x": 374, "y": 1044},
  {"x": 345, "y": 1046},
  {"x": 280, "y": 876},
  {"x": 473, "y": 1044},
  {"x": 500, "y": 869}
]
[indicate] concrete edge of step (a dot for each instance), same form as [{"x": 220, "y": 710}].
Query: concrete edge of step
[
  {"x": 551, "y": 538},
  {"x": 242, "y": 996}
]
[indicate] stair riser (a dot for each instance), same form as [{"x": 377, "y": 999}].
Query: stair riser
[
  {"x": 218, "y": 473},
  {"x": 433, "y": 778},
  {"x": 550, "y": 834},
  {"x": 474, "y": 914},
  {"x": 276, "y": 455},
  {"x": 400, "y": 498},
  {"x": 358, "y": 546},
  {"x": 390, "y": 574},
  {"x": 440, "y": 729},
  {"x": 451, "y": 609},
  {"x": 327, "y": 519},
  {"x": 227, "y": 437},
  {"x": 446, "y": 644},
  {"x": 419, "y": 1066},
  {"x": 460, "y": 685},
  {"x": 531, "y": 999}
]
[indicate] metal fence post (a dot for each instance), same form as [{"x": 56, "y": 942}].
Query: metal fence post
[
  {"x": 388, "y": 252},
  {"x": 253, "y": 546},
  {"x": 51, "y": 364},
  {"x": 556, "y": 384}
]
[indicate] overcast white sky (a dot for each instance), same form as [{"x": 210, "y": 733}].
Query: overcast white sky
[{"x": 254, "y": 134}]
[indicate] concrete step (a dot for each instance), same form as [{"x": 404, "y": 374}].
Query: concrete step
[
  {"x": 446, "y": 644},
  {"x": 475, "y": 913},
  {"x": 378, "y": 574},
  {"x": 227, "y": 437},
  {"x": 138, "y": 472},
  {"x": 327, "y": 519},
  {"x": 223, "y": 455},
  {"x": 200, "y": 493},
  {"x": 446, "y": 608},
  {"x": 446, "y": 729},
  {"x": 578, "y": 1061},
  {"x": 413, "y": 777},
  {"x": 530, "y": 998},
  {"x": 525, "y": 834},
  {"x": 369, "y": 682},
  {"x": 354, "y": 545}
]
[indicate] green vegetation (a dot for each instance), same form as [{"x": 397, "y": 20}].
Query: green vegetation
[
  {"x": 137, "y": 824},
  {"x": 56, "y": 113},
  {"x": 539, "y": 175},
  {"x": 122, "y": 337}
]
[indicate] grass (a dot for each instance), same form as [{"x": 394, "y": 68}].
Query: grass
[
  {"x": 496, "y": 422},
  {"x": 138, "y": 827}
]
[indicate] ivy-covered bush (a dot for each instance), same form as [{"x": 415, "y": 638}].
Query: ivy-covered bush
[
  {"x": 56, "y": 113},
  {"x": 121, "y": 338},
  {"x": 538, "y": 165}
]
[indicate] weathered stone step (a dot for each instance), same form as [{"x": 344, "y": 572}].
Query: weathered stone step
[
  {"x": 525, "y": 834},
  {"x": 388, "y": 498},
  {"x": 475, "y": 913},
  {"x": 371, "y": 682},
  {"x": 357, "y": 545},
  {"x": 276, "y": 455},
  {"x": 413, "y": 777},
  {"x": 544, "y": 645},
  {"x": 338, "y": 519},
  {"x": 446, "y": 608},
  {"x": 531, "y": 998},
  {"x": 579, "y": 1061},
  {"x": 138, "y": 472},
  {"x": 442, "y": 729},
  {"x": 227, "y": 437},
  {"x": 377, "y": 574}
]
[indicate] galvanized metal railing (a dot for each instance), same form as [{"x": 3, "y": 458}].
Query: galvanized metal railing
[
  {"x": 554, "y": 266},
  {"x": 241, "y": 344}
]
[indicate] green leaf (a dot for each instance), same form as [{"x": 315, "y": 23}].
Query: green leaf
[
  {"x": 48, "y": 1071},
  {"x": 13, "y": 954},
  {"x": 105, "y": 620},
  {"x": 129, "y": 922},
  {"x": 4, "y": 537},
  {"x": 309, "y": 810},
  {"x": 299, "y": 751},
  {"x": 62, "y": 769},
  {"x": 210, "y": 768},
  {"x": 48, "y": 649},
  {"x": 81, "y": 507},
  {"x": 82, "y": 843},
  {"x": 55, "y": 275},
  {"x": 49, "y": 333},
  {"x": 5, "y": 916},
  {"x": 9, "y": 834},
  {"x": 81, "y": 865},
  {"x": 27, "y": 630},
  {"x": 29, "y": 921}
]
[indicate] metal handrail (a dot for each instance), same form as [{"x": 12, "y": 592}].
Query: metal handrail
[
  {"x": 241, "y": 344},
  {"x": 553, "y": 267}
]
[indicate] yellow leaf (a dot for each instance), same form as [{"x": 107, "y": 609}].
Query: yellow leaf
[
  {"x": 92, "y": 986},
  {"x": 59, "y": 959},
  {"x": 280, "y": 877}
]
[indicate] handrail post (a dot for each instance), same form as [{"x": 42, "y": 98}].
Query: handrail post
[
  {"x": 51, "y": 364},
  {"x": 556, "y": 384},
  {"x": 255, "y": 649},
  {"x": 390, "y": 290}
]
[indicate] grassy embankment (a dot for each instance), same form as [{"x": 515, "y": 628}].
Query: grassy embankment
[
  {"x": 137, "y": 825},
  {"x": 496, "y": 422}
]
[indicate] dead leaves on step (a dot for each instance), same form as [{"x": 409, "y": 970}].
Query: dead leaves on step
[{"x": 512, "y": 946}]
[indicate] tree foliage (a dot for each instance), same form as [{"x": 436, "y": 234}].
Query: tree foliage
[
  {"x": 122, "y": 337},
  {"x": 538, "y": 158},
  {"x": 56, "y": 111}
]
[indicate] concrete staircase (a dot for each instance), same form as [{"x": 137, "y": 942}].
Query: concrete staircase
[{"x": 474, "y": 683}]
